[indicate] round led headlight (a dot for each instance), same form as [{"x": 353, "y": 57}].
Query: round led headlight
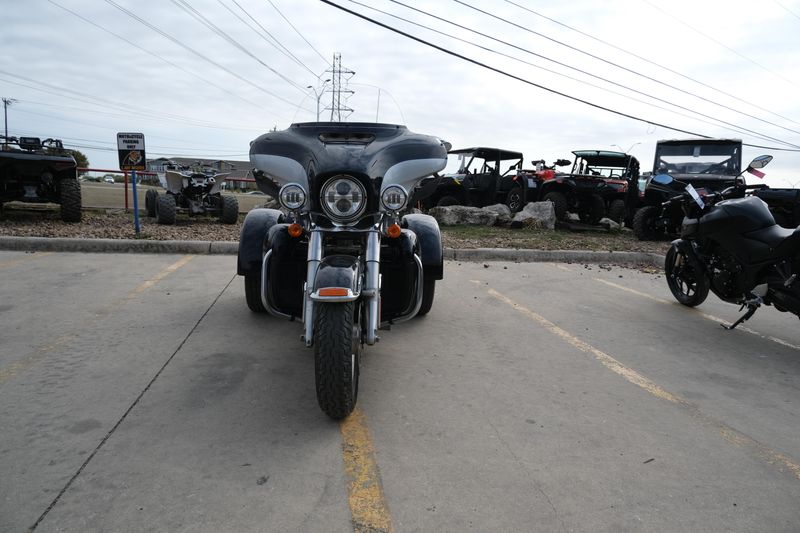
[
  {"x": 343, "y": 199},
  {"x": 394, "y": 198},
  {"x": 292, "y": 196}
]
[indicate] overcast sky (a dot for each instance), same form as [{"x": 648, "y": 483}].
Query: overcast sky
[{"x": 720, "y": 68}]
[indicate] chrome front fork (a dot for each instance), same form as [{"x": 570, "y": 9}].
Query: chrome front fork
[{"x": 370, "y": 292}]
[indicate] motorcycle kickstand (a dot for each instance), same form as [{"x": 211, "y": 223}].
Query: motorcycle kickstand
[{"x": 752, "y": 306}]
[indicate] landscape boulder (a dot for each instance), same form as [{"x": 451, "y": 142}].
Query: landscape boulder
[
  {"x": 536, "y": 214},
  {"x": 462, "y": 215}
]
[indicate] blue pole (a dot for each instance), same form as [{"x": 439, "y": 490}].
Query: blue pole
[{"x": 135, "y": 203}]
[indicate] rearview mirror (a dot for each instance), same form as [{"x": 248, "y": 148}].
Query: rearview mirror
[{"x": 760, "y": 161}]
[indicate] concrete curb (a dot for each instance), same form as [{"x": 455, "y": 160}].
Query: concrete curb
[{"x": 44, "y": 244}]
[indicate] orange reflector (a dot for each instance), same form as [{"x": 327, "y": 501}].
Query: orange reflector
[
  {"x": 295, "y": 230},
  {"x": 333, "y": 291},
  {"x": 393, "y": 231}
]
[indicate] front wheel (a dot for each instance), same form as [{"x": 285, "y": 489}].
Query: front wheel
[
  {"x": 616, "y": 211},
  {"x": 644, "y": 223},
  {"x": 150, "y": 198},
  {"x": 688, "y": 285},
  {"x": 166, "y": 209},
  {"x": 515, "y": 199},
  {"x": 337, "y": 354},
  {"x": 428, "y": 291},
  {"x": 229, "y": 214},
  {"x": 252, "y": 293},
  {"x": 70, "y": 198},
  {"x": 559, "y": 202}
]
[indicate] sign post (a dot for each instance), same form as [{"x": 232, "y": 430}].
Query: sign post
[{"x": 132, "y": 157}]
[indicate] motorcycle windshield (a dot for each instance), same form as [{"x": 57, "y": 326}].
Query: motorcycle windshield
[{"x": 307, "y": 151}]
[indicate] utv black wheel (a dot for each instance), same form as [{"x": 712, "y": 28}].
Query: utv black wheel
[
  {"x": 515, "y": 199},
  {"x": 252, "y": 293},
  {"x": 337, "y": 351},
  {"x": 230, "y": 210},
  {"x": 559, "y": 203},
  {"x": 445, "y": 201},
  {"x": 428, "y": 290},
  {"x": 70, "y": 198},
  {"x": 166, "y": 209},
  {"x": 687, "y": 284},
  {"x": 150, "y": 198},
  {"x": 616, "y": 211},
  {"x": 593, "y": 210},
  {"x": 644, "y": 223}
]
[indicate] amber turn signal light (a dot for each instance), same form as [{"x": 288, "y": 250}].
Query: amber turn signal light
[
  {"x": 393, "y": 231},
  {"x": 295, "y": 230},
  {"x": 333, "y": 291}
]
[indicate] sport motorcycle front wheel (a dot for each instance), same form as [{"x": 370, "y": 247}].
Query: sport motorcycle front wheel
[
  {"x": 687, "y": 284},
  {"x": 337, "y": 354}
]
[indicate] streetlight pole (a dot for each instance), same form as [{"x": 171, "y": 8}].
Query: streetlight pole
[
  {"x": 629, "y": 149},
  {"x": 6, "y": 102},
  {"x": 318, "y": 95}
]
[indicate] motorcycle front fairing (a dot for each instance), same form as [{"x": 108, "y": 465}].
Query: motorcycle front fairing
[{"x": 377, "y": 156}]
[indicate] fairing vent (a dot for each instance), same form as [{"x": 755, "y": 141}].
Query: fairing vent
[{"x": 347, "y": 137}]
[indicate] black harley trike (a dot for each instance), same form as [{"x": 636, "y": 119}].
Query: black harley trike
[{"x": 341, "y": 254}]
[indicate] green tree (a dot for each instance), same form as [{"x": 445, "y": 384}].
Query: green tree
[{"x": 80, "y": 158}]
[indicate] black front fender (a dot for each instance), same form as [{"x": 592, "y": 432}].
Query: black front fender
[{"x": 338, "y": 271}]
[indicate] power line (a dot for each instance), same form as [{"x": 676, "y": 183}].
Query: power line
[
  {"x": 187, "y": 7},
  {"x": 637, "y": 56},
  {"x": 626, "y": 69},
  {"x": 195, "y": 52},
  {"x": 276, "y": 44},
  {"x": 528, "y": 82},
  {"x": 723, "y": 45},
  {"x": 157, "y": 56},
  {"x": 297, "y": 31},
  {"x": 731, "y": 126}
]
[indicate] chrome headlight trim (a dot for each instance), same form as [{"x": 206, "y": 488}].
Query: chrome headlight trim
[
  {"x": 292, "y": 196},
  {"x": 394, "y": 198},
  {"x": 343, "y": 198}
]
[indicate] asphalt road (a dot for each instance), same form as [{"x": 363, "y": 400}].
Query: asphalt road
[{"x": 140, "y": 394}]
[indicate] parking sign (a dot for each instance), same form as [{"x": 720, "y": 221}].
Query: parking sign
[{"x": 131, "y": 151}]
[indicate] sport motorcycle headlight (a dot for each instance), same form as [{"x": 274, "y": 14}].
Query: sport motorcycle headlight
[
  {"x": 343, "y": 199},
  {"x": 394, "y": 198},
  {"x": 292, "y": 196}
]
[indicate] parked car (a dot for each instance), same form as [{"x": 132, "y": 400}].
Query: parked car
[
  {"x": 109, "y": 179},
  {"x": 479, "y": 180},
  {"x": 709, "y": 164},
  {"x": 36, "y": 171}
]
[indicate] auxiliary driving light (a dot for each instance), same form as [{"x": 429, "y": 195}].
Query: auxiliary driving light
[
  {"x": 394, "y": 198},
  {"x": 292, "y": 196}
]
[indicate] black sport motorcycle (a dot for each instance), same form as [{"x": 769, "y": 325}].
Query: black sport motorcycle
[
  {"x": 731, "y": 245},
  {"x": 340, "y": 254}
]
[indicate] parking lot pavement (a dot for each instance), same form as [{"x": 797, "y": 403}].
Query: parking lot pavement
[{"x": 140, "y": 393}]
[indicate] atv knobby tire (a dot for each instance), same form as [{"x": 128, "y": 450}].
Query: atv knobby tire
[
  {"x": 229, "y": 214},
  {"x": 594, "y": 209},
  {"x": 70, "y": 198},
  {"x": 559, "y": 202},
  {"x": 337, "y": 347},
  {"x": 150, "y": 198},
  {"x": 166, "y": 210}
]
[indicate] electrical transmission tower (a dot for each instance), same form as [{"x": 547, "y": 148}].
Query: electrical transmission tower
[{"x": 339, "y": 92}]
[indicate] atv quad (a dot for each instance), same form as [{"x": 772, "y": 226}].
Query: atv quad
[
  {"x": 194, "y": 191},
  {"x": 35, "y": 171}
]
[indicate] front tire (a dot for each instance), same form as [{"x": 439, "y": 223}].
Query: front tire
[
  {"x": 70, "y": 199},
  {"x": 595, "y": 209},
  {"x": 337, "y": 354},
  {"x": 687, "y": 285},
  {"x": 559, "y": 202},
  {"x": 150, "y": 198},
  {"x": 616, "y": 211},
  {"x": 446, "y": 201}
]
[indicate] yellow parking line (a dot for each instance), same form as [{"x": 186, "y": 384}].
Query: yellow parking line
[
  {"x": 161, "y": 275},
  {"x": 368, "y": 506},
  {"x": 19, "y": 260},
  {"x": 702, "y": 314},
  {"x": 727, "y": 432}
]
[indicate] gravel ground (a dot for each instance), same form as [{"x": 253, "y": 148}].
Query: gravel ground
[{"x": 117, "y": 224}]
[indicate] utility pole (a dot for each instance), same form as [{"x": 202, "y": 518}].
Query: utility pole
[
  {"x": 6, "y": 102},
  {"x": 337, "y": 73}
]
